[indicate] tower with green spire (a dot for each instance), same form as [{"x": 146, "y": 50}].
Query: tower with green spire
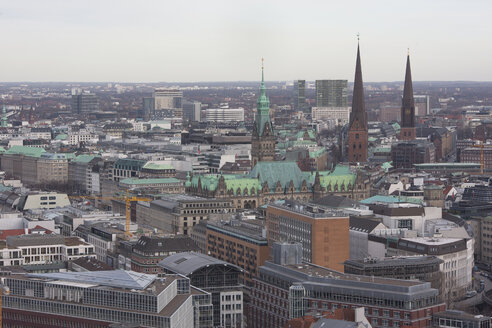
[
  {"x": 4, "y": 117},
  {"x": 263, "y": 138}
]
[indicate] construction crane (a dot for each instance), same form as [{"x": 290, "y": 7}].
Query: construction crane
[{"x": 128, "y": 202}]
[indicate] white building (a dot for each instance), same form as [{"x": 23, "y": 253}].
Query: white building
[
  {"x": 43, "y": 249},
  {"x": 224, "y": 114},
  {"x": 457, "y": 254},
  {"x": 340, "y": 114},
  {"x": 43, "y": 201}
]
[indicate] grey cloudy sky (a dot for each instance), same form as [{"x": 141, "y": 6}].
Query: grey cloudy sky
[{"x": 211, "y": 40}]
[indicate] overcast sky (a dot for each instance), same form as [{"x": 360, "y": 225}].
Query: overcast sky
[{"x": 209, "y": 40}]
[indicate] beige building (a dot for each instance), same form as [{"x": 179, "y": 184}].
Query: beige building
[
  {"x": 178, "y": 214},
  {"x": 33, "y": 165}
]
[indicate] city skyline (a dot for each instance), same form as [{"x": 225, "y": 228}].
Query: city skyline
[{"x": 220, "y": 41}]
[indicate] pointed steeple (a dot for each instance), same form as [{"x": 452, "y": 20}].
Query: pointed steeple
[
  {"x": 408, "y": 131},
  {"x": 358, "y": 107},
  {"x": 408, "y": 105},
  {"x": 263, "y": 105},
  {"x": 357, "y": 134}
]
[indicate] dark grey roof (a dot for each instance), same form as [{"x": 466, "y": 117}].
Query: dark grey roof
[
  {"x": 166, "y": 244},
  {"x": 112, "y": 278},
  {"x": 333, "y": 323},
  {"x": 188, "y": 262},
  {"x": 336, "y": 201},
  {"x": 363, "y": 225},
  {"x": 35, "y": 240}
]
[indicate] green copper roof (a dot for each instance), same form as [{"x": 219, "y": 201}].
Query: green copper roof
[
  {"x": 263, "y": 108},
  {"x": 157, "y": 166},
  {"x": 84, "y": 158},
  {"x": 382, "y": 150},
  {"x": 396, "y": 126},
  {"x": 271, "y": 172},
  {"x": 341, "y": 175},
  {"x": 304, "y": 143},
  {"x": 136, "y": 181},
  {"x": 386, "y": 165},
  {"x": 2, "y": 150},
  {"x": 243, "y": 183},
  {"x": 26, "y": 151},
  {"x": 391, "y": 199},
  {"x": 61, "y": 136},
  {"x": 371, "y": 139},
  {"x": 208, "y": 181},
  {"x": 317, "y": 153}
]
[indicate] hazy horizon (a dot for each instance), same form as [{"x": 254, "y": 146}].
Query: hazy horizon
[{"x": 212, "y": 41}]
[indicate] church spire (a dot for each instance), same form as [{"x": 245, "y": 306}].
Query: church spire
[
  {"x": 358, "y": 107},
  {"x": 357, "y": 134},
  {"x": 408, "y": 107}
]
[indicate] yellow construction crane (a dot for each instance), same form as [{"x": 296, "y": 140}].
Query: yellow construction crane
[{"x": 128, "y": 202}]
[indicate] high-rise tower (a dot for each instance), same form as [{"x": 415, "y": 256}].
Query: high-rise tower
[
  {"x": 357, "y": 134},
  {"x": 408, "y": 131},
  {"x": 263, "y": 139}
]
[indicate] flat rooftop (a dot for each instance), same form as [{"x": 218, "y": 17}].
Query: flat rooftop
[
  {"x": 432, "y": 241},
  {"x": 313, "y": 211},
  {"x": 322, "y": 272}
]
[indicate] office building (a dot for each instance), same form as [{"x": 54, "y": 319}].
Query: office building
[
  {"x": 474, "y": 155},
  {"x": 148, "y": 107},
  {"x": 104, "y": 299},
  {"x": 85, "y": 103},
  {"x": 240, "y": 242},
  {"x": 219, "y": 278},
  {"x": 83, "y": 174},
  {"x": 178, "y": 214},
  {"x": 34, "y": 166},
  {"x": 358, "y": 131},
  {"x": 224, "y": 115},
  {"x": 422, "y": 105},
  {"x": 192, "y": 111},
  {"x": 405, "y": 154},
  {"x": 42, "y": 249},
  {"x": 341, "y": 115},
  {"x": 423, "y": 268},
  {"x": 460, "y": 319},
  {"x": 149, "y": 251},
  {"x": 300, "y": 96},
  {"x": 169, "y": 100},
  {"x": 331, "y": 93},
  {"x": 322, "y": 232},
  {"x": 457, "y": 254},
  {"x": 294, "y": 289}
]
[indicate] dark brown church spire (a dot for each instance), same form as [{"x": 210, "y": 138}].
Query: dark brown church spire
[
  {"x": 358, "y": 114},
  {"x": 357, "y": 135},
  {"x": 408, "y": 107}
]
